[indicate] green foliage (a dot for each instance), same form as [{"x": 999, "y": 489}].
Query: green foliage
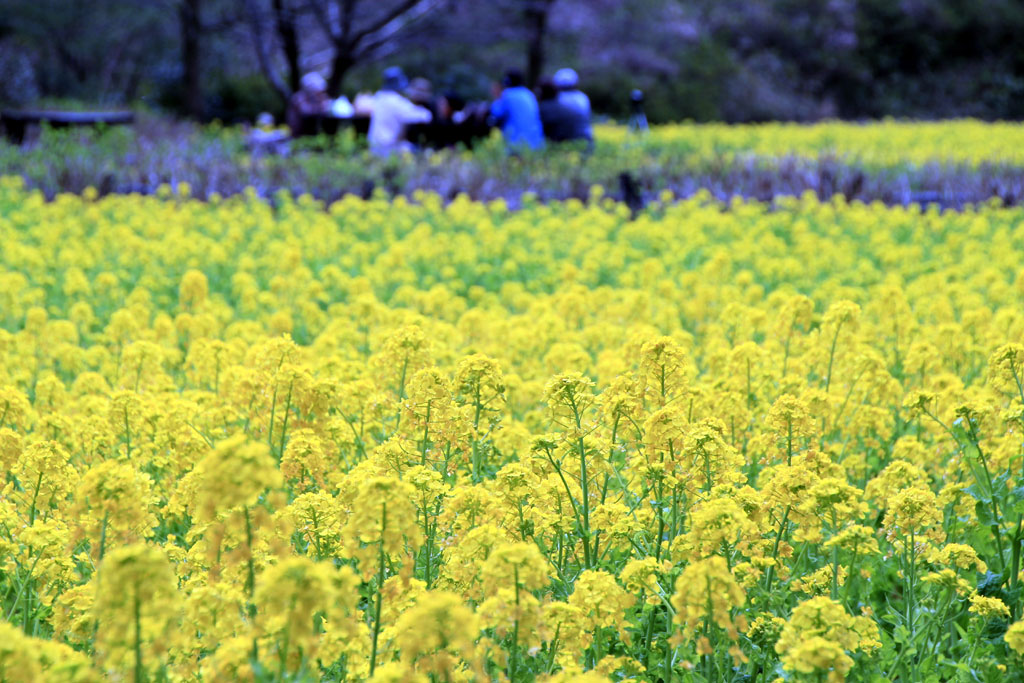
[
  {"x": 727, "y": 161},
  {"x": 244, "y": 98}
]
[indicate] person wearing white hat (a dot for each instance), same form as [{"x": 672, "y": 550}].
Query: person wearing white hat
[
  {"x": 575, "y": 100},
  {"x": 305, "y": 105}
]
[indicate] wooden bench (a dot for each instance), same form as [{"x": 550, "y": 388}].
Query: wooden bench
[
  {"x": 15, "y": 123},
  {"x": 439, "y": 134},
  {"x": 329, "y": 124},
  {"x": 433, "y": 135}
]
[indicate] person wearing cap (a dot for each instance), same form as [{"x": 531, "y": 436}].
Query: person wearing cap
[
  {"x": 637, "y": 117},
  {"x": 516, "y": 112},
  {"x": 307, "y": 104},
  {"x": 566, "y": 81},
  {"x": 392, "y": 112}
]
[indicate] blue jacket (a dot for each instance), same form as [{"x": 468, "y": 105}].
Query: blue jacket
[{"x": 517, "y": 114}]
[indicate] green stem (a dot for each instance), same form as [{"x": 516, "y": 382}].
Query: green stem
[
  {"x": 35, "y": 496},
  {"x": 284, "y": 423},
  {"x": 216, "y": 375},
  {"x": 565, "y": 484},
  {"x": 380, "y": 588},
  {"x": 835, "y": 560},
  {"x": 789, "y": 442},
  {"x": 775, "y": 549},
  {"x": 428, "y": 531},
  {"x": 832, "y": 355},
  {"x": 661, "y": 525},
  {"x": 103, "y": 535},
  {"x": 996, "y": 519},
  {"x": 707, "y": 660},
  {"x": 994, "y": 527},
  {"x": 250, "y": 579},
  {"x": 851, "y": 579},
  {"x": 284, "y": 651},
  {"x": 1015, "y": 563},
  {"x": 426, "y": 437},
  {"x": 138, "y": 637},
  {"x": 553, "y": 649},
  {"x": 273, "y": 412},
  {"x": 1013, "y": 370},
  {"x": 127, "y": 434},
  {"x": 911, "y": 570},
  {"x": 401, "y": 397},
  {"x": 648, "y": 634},
  {"x": 584, "y": 484},
  {"x": 514, "y": 655},
  {"x": 21, "y": 588}
]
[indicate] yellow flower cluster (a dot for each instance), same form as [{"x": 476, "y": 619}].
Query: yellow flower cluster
[
  {"x": 407, "y": 440},
  {"x": 818, "y": 635},
  {"x": 884, "y": 143}
]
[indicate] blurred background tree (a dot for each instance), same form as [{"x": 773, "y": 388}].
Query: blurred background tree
[{"x": 732, "y": 60}]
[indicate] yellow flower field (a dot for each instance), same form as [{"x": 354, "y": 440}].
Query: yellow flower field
[
  {"x": 889, "y": 143},
  {"x": 402, "y": 440}
]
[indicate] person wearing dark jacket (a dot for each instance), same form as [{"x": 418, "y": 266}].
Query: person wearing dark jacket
[
  {"x": 554, "y": 116},
  {"x": 568, "y": 83},
  {"x": 307, "y": 104},
  {"x": 562, "y": 121}
]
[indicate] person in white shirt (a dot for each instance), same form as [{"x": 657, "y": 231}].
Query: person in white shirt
[{"x": 392, "y": 112}]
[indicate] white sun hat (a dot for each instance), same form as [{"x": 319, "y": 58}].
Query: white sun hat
[{"x": 565, "y": 78}]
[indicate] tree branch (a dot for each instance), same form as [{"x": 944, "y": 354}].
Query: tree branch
[
  {"x": 382, "y": 23},
  {"x": 262, "y": 54},
  {"x": 319, "y": 10},
  {"x": 348, "y": 13},
  {"x": 395, "y": 26}
]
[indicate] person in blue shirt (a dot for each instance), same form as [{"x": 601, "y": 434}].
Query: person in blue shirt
[{"x": 515, "y": 111}]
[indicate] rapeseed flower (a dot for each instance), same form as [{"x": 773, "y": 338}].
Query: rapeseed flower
[
  {"x": 818, "y": 636},
  {"x": 706, "y": 593},
  {"x": 1014, "y": 637},
  {"x": 563, "y": 449},
  {"x": 136, "y": 609}
]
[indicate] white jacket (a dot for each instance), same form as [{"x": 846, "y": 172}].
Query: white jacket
[{"x": 392, "y": 112}]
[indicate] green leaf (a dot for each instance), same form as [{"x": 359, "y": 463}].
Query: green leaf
[
  {"x": 961, "y": 433},
  {"x": 1015, "y": 500},
  {"x": 984, "y": 513},
  {"x": 978, "y": 492},
  {"x": 990, "y": 583}
]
